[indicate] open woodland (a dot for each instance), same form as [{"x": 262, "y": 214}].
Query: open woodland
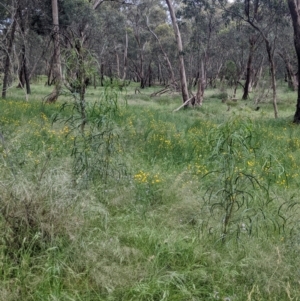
[{"x": 149, "y": 150}]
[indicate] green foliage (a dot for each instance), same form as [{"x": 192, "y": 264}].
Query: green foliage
[
  {"x": 148, "y": 189},
  {"x": 154, "y": 236},
  {"x": 238, "y": 197},
  {"x": 230, "y": 71},
  {"x": 95, "y": 144},
  {"x": 80, "y": 66}
]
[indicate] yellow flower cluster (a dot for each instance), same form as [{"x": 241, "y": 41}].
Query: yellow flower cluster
[
  {"x": 144, "y": 177},
  {"x": 282, "y": 182},
  {"x": 44, "y": 117},
  {"x": 198, "y": 169},
  {"x": 141, "y": 177}
]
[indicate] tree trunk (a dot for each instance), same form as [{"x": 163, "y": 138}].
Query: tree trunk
[
  {"x": 125, "y": 56},
  {"x": 201, "y": 86},
  {"x": 141, "y": 71},
  {"x": 57, "y": 72},
  {"x": 291, "y": 77},
  {"x": 11, "y": 38},
  {"x": 150, "y": 75},
  {"x": 294, "y": 6},
  {"x": 270, "y": 53},
  {"x": 81, "y": 76},
  {"x": 24, "y": 78},
  {"x": 23, "y": 74},
  {"x": 273, "y": 78},
  {"x": 249, "y": 69},
  {"x": 102, "y": 74},
  {"x": 118, "y": 64},
  {"x": 257, "y": 73},
  {"x": 164, "y": 53},
  {"x": 184, "y": 87},
  {"x": 159, "y": 75}
]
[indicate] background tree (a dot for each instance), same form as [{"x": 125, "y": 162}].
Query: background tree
[
  {"x": 57, "y": 70},
  {"x": 9, "y": 32},
  {"x": 294, "y": 7},
  {"x": 183, "y": 81}
]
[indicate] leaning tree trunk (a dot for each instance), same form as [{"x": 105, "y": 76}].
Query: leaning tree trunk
[
  {"x": 184, "y": 87},
  {"x": 57, "y": 72},
  {"x": 294, "y": 6}
]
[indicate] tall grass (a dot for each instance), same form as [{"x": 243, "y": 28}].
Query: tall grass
[{"x": 206, "y": 207}]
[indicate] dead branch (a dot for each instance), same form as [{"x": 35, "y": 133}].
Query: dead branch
[
  {"x": 160, "y": 92},
  {"x": 184, "y": 104}
]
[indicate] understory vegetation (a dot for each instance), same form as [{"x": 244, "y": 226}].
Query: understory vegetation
[{"x": 144, "y": 203}]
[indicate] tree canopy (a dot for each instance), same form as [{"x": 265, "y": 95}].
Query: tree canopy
[{"x": 227, "y": 42}]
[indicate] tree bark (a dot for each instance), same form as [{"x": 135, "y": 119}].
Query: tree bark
[
  {"x": 141, "y": 72},
  {"x": 24, "y": 70},
  {"x": 11, "y": 38},
  {"x": 57, "y": 72},
  {"x": 81, "y": 76},
  {"x": 102, "y": 74},
  {"x": 201, "y": 86},
  {"x": 184, "y": 87},
  {"x": 273, "y": 78},
  {"x": 23, "y": 74},
  {"x": 291, "y": 76},
  {"x": 249, "y": 69},
  {"x": 294, "y": 7},
  {"x": 117, "y": 62},
  {"x": 150, "y": 77},
  {"x": 125, "y": 57}
]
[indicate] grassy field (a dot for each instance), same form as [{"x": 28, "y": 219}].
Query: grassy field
[{"x": 147, "y": 203}]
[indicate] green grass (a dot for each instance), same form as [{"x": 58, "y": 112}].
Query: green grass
[{"x": 199, "y": 204}]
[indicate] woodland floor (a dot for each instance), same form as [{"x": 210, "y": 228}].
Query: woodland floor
[{"x": 147, "y": 203}]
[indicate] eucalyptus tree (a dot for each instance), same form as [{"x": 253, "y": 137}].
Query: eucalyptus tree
[
  {"x": 254, "y": 41},
  {"x": 10, "y": 13},
  {"x": 57, "y": 70},
  {"x": 156, "y": 22},
  {"x": 232, "y": 39},
  {"x": 139, "y": 50},
  {"x": 206, "y": 24},
  {"x": 294, "y": 8},
  {"x": 28, "y": 24},
  {"x": 111, "y": 40},
  {"x": 23, "y": 17},
  {"x": 264, "y": 17},
  {"x": 183, "y": 81},
  {"x": 286, "y": 51}
]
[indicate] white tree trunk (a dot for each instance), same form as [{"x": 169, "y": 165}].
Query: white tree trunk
[{"x": 184, "y": 88}]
